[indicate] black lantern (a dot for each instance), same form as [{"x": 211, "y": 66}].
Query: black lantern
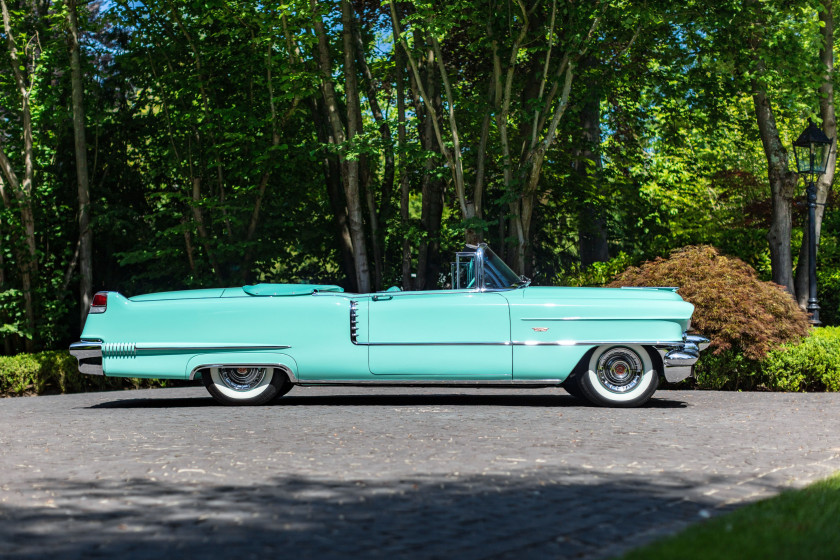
[{"x": 811, "y": 150}]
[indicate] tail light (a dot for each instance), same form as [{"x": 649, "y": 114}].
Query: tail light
[{"x": 99, "y": 303}]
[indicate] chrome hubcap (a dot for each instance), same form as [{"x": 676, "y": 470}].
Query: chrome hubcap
[
  {"x": 620, "y": 370},
  {"x": 242, "y": 378}
]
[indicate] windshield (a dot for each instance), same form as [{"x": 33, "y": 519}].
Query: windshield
[{"x": 498, "y": 275}]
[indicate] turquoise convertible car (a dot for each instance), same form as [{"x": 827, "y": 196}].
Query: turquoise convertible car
[{"x": 252, "y": 344}]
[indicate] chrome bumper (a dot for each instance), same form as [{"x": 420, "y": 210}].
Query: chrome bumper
[
  {"x": 679, "y": 360},
  {"x": 89, "y": 355}
]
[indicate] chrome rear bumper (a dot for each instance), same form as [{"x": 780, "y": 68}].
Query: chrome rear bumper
[
  {"x": 678, "y": 360},
  {"x": 89, "y": 355}
]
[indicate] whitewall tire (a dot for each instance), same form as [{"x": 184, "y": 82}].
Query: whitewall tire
[
  {"x": 619, "y": 376},
  {"x": 245, "y": 385}
]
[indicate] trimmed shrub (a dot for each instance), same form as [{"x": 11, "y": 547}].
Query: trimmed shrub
[
  {"x": 811, "y": 365},
  {"x": 744, "y": 317},
  {"x": 54, "y": 372},
  {"x": 733, "y": 307},
  {"x": 33, "y": 374}
]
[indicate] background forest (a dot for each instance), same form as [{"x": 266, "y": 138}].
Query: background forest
[{"x": 167, "y": 144}]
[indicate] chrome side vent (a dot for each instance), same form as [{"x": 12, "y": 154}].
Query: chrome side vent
[
  {"x": 119, "y": 350},
  {"x": 354, "y": 321}
]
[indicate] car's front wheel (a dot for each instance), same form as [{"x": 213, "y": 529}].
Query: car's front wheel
[
  {"x": 619, "y": 376},
  {"x": 245, "y": 385}
]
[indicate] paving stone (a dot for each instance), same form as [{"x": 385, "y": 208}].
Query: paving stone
[{"x": 415, "y": 473}]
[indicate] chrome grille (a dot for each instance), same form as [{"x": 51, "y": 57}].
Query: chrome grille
[
  {"x": 119, "y": 350},
  {"x": 354, "y": 321}
]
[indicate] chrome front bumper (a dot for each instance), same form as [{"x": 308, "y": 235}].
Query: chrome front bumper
[
  {"x": 89, "y": 355},
  {"x": 679, "y": 360}
]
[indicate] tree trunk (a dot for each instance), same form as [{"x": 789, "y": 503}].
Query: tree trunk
[
  {"x": 592, "y": 224},
  {"x": 332, "y": 179},
  {"x": 829, "y": 123},
  {"x": 85, "y": 234},
  {"x": 405, "y": 192},
  {"x": 202, "y": 231},
  {"x": 782, "y": 186},
  {"x": 377, "y": 214},
  {"x": 188, "y": 245},
  {"x": 427, "y": 107},
  {"x": 23, "y": 189},
  {"x": 263, "y": 185},
  {"x": 349, "y": 167}
]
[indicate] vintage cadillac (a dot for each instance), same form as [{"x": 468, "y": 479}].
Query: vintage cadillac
[{"x": 252, "y": 344}]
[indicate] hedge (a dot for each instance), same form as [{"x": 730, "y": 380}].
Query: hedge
[{"x": 55, "y": 372}]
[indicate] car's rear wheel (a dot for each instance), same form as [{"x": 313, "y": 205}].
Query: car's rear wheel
[
  {"x": 619, "y": 376},
  {"x": 245, "y": 385}
]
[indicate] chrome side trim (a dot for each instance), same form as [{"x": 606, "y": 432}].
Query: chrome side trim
[
  {"x": 292, "y": 377},
  {"x": 668, "y": 288},
  {"x": 528, "y": 343},
  {"x": 162, "y": 347},
  {"x": 433, "y": 343},
  {"x": 594, "y": 342},
  {"x": 433, "y": 382},
  {"x": 89, "y": 355},
  {"x": 596, "y": 319}
]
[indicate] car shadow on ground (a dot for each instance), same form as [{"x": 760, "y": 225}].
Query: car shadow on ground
[
  {"x": 369, "y": 400},
  {"x": 551, "y": 513}
]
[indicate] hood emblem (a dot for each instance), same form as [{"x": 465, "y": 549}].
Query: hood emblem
[{"x": 540, "y": 329}]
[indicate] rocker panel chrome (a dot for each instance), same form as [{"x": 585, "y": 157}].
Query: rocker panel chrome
[{"x": 434, "y": 382}]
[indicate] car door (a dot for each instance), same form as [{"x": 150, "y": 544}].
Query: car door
[{"x": 457, "y": 334}]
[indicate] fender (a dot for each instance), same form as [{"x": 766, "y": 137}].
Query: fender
[{"x": 228, "y": 359}]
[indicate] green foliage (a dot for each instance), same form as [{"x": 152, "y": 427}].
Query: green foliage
[
  {"x": 729, "y": 370},
  {"x": 796, "y": 524},
  {"x": 812, "y": 364},
  {"x": 41, "y": 373},
  {"x": 597, "y": 274},
  {"x": 54, "y": 372},
  {"x": 732, "y": 306},
  {"x": 191, "y": 107}
]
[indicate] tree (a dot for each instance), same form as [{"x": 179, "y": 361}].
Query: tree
[
  {"x": 23, "y": 64},
  {"x": 80, "y": 144},
  {"x": 829, "y": 124}
]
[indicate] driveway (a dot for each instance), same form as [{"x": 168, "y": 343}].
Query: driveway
[{"x": 421, "y": 473}]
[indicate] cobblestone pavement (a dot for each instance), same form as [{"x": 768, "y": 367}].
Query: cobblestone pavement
[{"x": 419, "y": 473}]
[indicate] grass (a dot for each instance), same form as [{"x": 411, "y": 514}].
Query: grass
[{"x": 796, "y": 524}]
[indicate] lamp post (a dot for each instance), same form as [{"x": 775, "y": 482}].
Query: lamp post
[{"x": 811, "y": 150}]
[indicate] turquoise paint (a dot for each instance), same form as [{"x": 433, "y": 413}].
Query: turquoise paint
[
  {"x": 184, "y": 294},
  {"x": 316, "y": 327},
  {"x": 546, "y": 362},
  {"x": 288, "y": 289},
  {"x": 430, "y": 323},
  {"x": 241, "y": 358}
]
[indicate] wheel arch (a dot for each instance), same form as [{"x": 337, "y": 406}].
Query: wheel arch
[
  {"x": 582, "y": 365},
  {"x": 656, "y": 359},
  {"x": 283, "y": 362}
]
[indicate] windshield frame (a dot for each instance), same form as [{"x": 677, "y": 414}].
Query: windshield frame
[
  {"x": 494, "y": 274},
  {"x": 491, "y": 273}
]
